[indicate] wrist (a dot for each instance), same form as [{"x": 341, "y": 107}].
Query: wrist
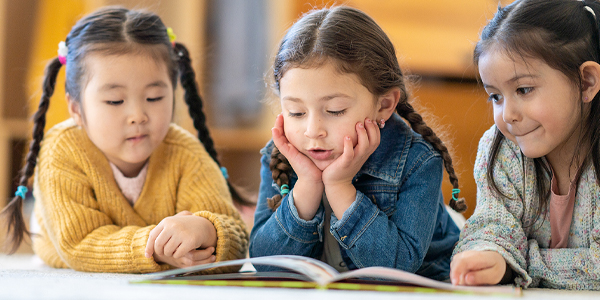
[
  {"x": 340, "y": 197},
  {"x": 208, "y": 229}
]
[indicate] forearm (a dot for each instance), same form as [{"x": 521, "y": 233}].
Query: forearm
[
  {"x": 340, "y": 197},
  {"x": 307, "y": 198}
]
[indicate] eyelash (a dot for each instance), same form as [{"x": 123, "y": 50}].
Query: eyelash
[
  {"x": 337, "y": 113},
  {"x": 114, "y": 102},
  {"x": 154, "y": 99}
]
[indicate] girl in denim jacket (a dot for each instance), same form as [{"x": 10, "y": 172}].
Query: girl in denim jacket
[{"x": 344, "y": 179}]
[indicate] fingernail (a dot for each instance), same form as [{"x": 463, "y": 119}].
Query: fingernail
[
  {"x": 361, "y": 125},
  {"x": 368, "y": 121},
  {"x": 213, "y": 258},
  {"x": 348, "y": 138}
]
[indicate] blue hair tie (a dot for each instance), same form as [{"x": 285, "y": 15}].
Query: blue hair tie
[
  {"x": 21, "y": 192},
  {"x": 285, "y": 189},
  {"x": 224, "y": 171},
  {"x": 454, "y": 192}
]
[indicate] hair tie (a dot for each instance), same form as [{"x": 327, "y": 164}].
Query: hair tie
[
  {"x": 21, "y": 192},
  {"x": 225, "y": 174},
  {"x": 171, "y": 35},
  {"x": 588, "y": 8},
  {"x": 285, "y": 189},
  {"x": 62, "y": 52},
  {"x": 454, "y": 193}
]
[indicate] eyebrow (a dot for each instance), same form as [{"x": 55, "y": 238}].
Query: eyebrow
[
  {"x": 516, "y": 78},
  {"x": 112, "y": 86},
  {"x": 324, "y": 98}
]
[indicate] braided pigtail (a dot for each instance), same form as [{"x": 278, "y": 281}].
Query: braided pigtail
[
  {"x": 280, "y": 170},
  {"x": 187, "y": 76},
  {"x": 406, "y": 110},
  {"x": 16, "y": 229}
]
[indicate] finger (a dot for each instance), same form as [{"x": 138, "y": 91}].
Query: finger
[
  {"x": 362, "y": 137},
  {"x": 151, "y": 240},
  {"x": 466, "y": 262},
  {"x": 373, "y": 132},
  {"x": 487, "y": 276},
  {"x": 171, "y": 246},
  {"x": 203, "y": 254},
  {"x": 162, "y": 239},
  {"x": 184, "y": 213}
]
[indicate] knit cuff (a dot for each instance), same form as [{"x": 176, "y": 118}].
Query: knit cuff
[
  {"x": 138, "y": 250},
  {"x": 231, "y": 239}
]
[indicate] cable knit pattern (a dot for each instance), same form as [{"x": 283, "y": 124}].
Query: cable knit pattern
[
  {"x": 88, "y": 225},
  {"x": 498, "y": 223}
]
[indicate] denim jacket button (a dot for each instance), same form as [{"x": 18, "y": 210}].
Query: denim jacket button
[
  {"x": 343, "y": 238},
  {"x": 343, "y": 264},
  {"x": 315, "y": 233}
]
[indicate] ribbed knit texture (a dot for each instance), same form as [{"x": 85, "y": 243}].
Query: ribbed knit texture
[
  {"x": 88, "y": 225},
  {"x": 499, "y": 223}
]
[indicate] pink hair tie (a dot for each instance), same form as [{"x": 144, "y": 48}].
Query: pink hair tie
[{"x": 62, "y": 52}]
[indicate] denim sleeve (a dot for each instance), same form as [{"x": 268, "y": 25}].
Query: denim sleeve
[
  {"x": 282, "y": 231},
  {"x": 402, "y": 239}
]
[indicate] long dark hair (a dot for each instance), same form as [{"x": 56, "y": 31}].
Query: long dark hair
[
  {"x": 110, "y": 31},
  {"x": 355, "y": 44},
  {"x": 564, "y": 35}
]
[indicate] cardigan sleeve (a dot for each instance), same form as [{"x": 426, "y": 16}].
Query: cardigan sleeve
[
  {"x": 204, "y": 192},
  {"x": 495, "y": 225},
  {"x": 84, "y": 237}
]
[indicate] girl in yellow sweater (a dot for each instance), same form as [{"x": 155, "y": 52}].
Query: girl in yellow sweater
[{"x": 118, "y": 187}]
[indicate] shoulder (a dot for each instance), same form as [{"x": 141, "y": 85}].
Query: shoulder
[
  {"x": 508, "y": 154},
  {"x": 66, "y": 139},
  {"x": 181, "y": 141}
]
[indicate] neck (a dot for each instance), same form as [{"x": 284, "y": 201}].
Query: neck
[{"x": 130, "y": 170}]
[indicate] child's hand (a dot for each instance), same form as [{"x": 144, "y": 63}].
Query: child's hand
[
  {"x": 301, "y": 164},
  {"x": 343, "y": 169},
  {"x": 192, "y": 258},
  {"x": 309, "y": 186},
  {"x": 477, "y": 268},
  {"x": 179, "y": 235},
  {"x": 337, "y": 177}
]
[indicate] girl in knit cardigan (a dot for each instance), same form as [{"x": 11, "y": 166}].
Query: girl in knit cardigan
[
  {"x": 537, "y": 221},
  {"x": 118, "y": 187}
]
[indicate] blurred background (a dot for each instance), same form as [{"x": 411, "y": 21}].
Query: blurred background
[{"x": 232, "y": 43}]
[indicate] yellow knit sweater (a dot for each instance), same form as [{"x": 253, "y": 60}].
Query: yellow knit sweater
[{"x": 87, "y": 224}]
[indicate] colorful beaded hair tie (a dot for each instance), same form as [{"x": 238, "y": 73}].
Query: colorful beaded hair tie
[
  {"x": 62, "y": 52},
  {"x": 172, "y": 35},
  {"x": 225, "y": 174}
]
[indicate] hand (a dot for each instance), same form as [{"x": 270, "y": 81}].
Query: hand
[
  {"x": 192, "y": 258},
  {"x": 337, "y": 177},
  {"x": 179, "y": 235},
  {"x": 308, "y": 189},
  {"x": 477, "y": 268},
  {"x": 343, "y": 169},
  {"x": 302, "y": 165}
]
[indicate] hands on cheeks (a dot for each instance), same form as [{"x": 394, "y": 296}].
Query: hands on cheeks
[
  {"x": 478, "y": 268},
  {"x": 182, "y": 240}
]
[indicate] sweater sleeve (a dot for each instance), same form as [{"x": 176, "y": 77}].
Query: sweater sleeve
[
  {"x": 204, "y": 192},
  {"x": 495, "y": 225},
  {"x": 84, "y": 237}
]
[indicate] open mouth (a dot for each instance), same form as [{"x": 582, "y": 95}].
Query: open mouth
[{"x": 319, "y": 154}]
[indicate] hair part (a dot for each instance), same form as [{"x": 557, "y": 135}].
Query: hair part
[
  {"x": 355, "y": 44},
  {"x": 563, "y": 34},
  {"x": 110, "y": 31}
]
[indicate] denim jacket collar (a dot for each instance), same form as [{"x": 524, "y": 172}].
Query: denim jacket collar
[{"x": 387, "y": 162}]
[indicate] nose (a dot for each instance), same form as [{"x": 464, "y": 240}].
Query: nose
[
  {"x": 314, "y": 128},
  {"x": 510, "y": 111},
  {"x": 137, "y": 115}
]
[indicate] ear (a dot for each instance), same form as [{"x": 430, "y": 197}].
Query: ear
[
  {"x": 75, "y": 110},
  {"x": 590, "y": 80},
  {"x": 387, "y": 103}
]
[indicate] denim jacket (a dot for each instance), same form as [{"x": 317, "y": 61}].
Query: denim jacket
[{"x": 397, "y": 220}]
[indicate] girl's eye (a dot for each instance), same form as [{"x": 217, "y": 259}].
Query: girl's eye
[
  {"x": 155, "y": 99},
  {"x": 494, "y": 98},
  {"x": 524, "y": 90},
  {"x": 337, "y": 112},
  {"x": 117, "y": 102},
  {"x": 295, "y": 115}
]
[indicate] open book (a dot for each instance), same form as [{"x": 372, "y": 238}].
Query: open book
[{"x": 305, "y": 272}]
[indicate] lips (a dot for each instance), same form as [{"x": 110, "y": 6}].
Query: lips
[
  {"x": 319, "y": 154},
  {"x": 520, "y": 133},
  {"x": 137, "y": 138}
]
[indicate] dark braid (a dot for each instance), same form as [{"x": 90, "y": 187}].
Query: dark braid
[
  {"x": 406, "y": 111},
  {"x": 13, "y": 211},
  {"x": 280, "y": 171},
  {"x": 187, "y": 76}
]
